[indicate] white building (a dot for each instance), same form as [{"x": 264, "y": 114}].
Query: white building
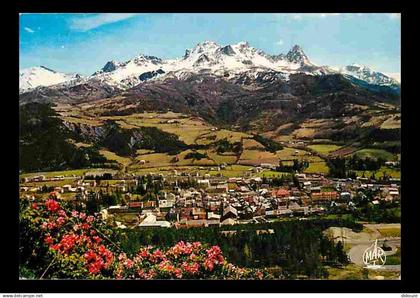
[{"x": 150, "y": 221}]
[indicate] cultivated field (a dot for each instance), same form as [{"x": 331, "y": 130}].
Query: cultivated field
[
  {"x": 317, "y": 167},
  {"x": 375, "y": 153},
  {"x": 194, "y": 130},
  {"x": 324, "y": 148},
  {"x": 393, "y": 173}
]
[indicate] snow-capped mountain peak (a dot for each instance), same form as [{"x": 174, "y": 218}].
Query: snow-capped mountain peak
[
  {"x": 365, "y": 73},
  {"x": 237, "y": 62},
  {"x": 243, "y": 44},
  {"x": 226, "y": 50},
  {"x": 111, "y": 66},
  {"x": 207, "y": 56},
  {"x": 202, "y": 48},
  {"x": 297, "y": 55},
  {"x": 142, "y": 59},
  {"x": 33, "y": 77}
]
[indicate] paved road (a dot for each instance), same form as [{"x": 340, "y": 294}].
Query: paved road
[{"x": 391, "y": 267}]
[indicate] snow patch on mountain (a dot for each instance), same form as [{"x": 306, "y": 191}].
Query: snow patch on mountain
[
  {"x": 238, "y": 62},
  {"x": 33, "y": 77},
  {"x": 368, "y": 75},
  {"x": 395, "y": 75},
  {"x": 206, "y": 57}
]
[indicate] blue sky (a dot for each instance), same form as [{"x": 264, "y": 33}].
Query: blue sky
[{"x": 83, "y": 43}]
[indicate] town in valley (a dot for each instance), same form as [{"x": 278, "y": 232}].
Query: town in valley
[{"x": 272, "y": 156}]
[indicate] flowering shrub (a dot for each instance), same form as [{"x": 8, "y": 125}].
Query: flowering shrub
[
  {"x": 183, "y": 260},
  {"x": 75, "y": 245}
]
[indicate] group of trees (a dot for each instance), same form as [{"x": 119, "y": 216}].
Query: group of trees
[
  {"x": 297, "y": 166},
  {"x": 224, "y": 145},
  {"x": 388, "y": 139},
  {"x": 298, "y": 247},
  {"x": 43, "y": 142},
  {"x": 148, "y": 184},
  {"x": 195, "y": 155},
  {"x": 187, "y": 182},
  {"x": 384, "y": 212},
  {"x": 364, "y": 164},
  {"x": 281, "y": 180},
  {"x": 126, "y": 142},
  {"x": 338, "y": 167},
  {"x": 148, "y": 187},
  {"x": 269, "y": 144},
  {"x": 94, "y": 201},
  {"x": 364, "y": 210},
  {"x": 347, "y": 167},
  {"x": 384, "y": 135},
  {"x": 381, "y": 213}
]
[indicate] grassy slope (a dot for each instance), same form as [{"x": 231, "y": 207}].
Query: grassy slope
[
  {"x": 375, "y": 153},
  {"x": 324, "y": 148}
]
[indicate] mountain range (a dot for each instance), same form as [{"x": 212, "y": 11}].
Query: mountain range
[
  {"x": 233, "y": 88},
  {"x": 238, "y": 63},
  {"x": 33, "y": 77}
]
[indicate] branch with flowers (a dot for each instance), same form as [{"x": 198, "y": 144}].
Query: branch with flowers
[{"x": 80, "y": 246}]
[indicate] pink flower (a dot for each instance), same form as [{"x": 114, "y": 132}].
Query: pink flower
[
  {"x": 52, "y": 205},
  {"x": 194, "y": 267},
  {"x": 208, "y": 265},
  {"x": 214, "y": 251},
  {"x": 48, "y": 239},
  {"x": 62, "y": 213},
  {"x": 128, "y": 263},
  {"x": 83, "y": 239},
  {"x": 152, "y": 274},
  {"x": 190, "y": 268},
  {"x": 68, "y": 242},
  {"x": 166, "y": 266},
  {"x": 141, "y": 273},
  {"x": 221, "y": 259},
  {"x": 196, "y": 245},
  {"x": 122, "y": 256},
  {"x": 178, "y": 273},
  {"x": 44, "y": 225},
  {"x": 82, "y": 215},
  {"x": 90, "y": 255},
  {"x": 215, "y": 255},
  {"x": 60, "y": 220},
  {"x": 182, "y": 248},
  {"x": 90, "y": 219},
  {"x": 109, "y": 257},
  {"x": 157, "y": 254},
  {"x": 95, "y": 262},
  {"x": 74, "y": 213},
  {"x": 94, "y": 267},
  {"x": 51, "y": 225},
  {"x": 55, "y": 247},
  {"x": 97, "y": 239},
  {"x": 143, "y": 253}
]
